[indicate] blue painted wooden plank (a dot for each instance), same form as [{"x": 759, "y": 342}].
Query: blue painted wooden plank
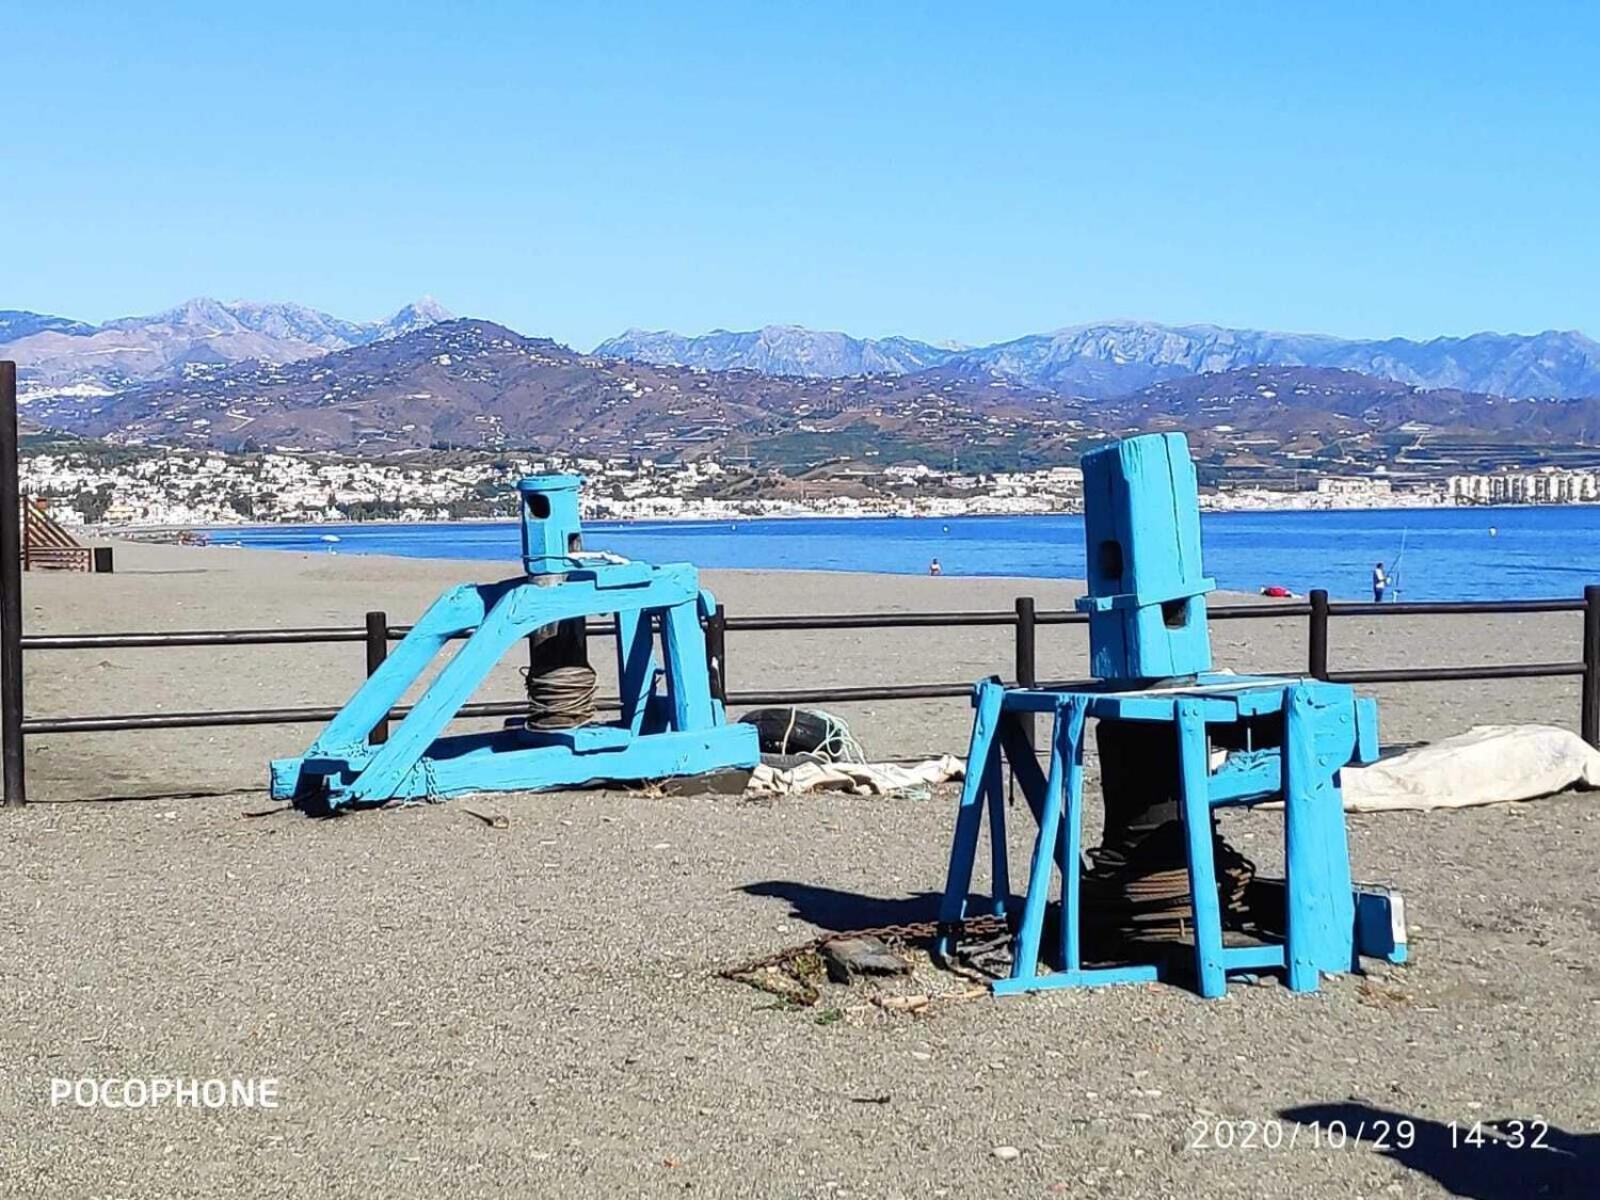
[
  {"x": 1366, "y": 730},
  {"x": 1247, "y": 776},
  {"x": 636, "y": 666},
  {"x": 969, "y": 813},
  {"x": 1321, "y": 910},
  {"x": 660, "y": 756},
  {"x": 1159, "y": 707},
  {"x": 1252, "y": 958},
  {"x": 505, "y": 624},
  {"x": 999, "y": 866},
  {"x": 1194, "y": 770},
  {"x": 683, "y": 646},
  {"x": 458, "y": 610},
  {"x": 1036, "y": 700},
  {"x": 1025, "y": 961},
  {"x": 1071, "y": 861}
]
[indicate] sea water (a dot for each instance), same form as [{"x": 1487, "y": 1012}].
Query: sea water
[{"x": 1430, "y": 553}]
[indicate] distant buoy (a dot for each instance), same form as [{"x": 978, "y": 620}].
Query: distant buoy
[
  {"x": 947, "y": 529},
  {"x": 1493, "y": 532}
]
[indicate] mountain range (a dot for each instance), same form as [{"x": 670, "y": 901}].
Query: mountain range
[
  {"x": 1117, "y": 357},
  {"x": 468, "y": 384},
  {"x": 246, "y": 375},
  {"x": 780, "y": 350},
  {"x": 59, "y": 357}
]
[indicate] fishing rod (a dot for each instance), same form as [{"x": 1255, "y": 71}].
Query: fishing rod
[{"x": 1394, "y": 574}]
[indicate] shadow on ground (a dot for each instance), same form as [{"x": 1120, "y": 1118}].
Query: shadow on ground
[
  {"x": 242, "y": 794},
  {"x": 834, "y": 911},
  {"x": 1492, "y": 1161}
]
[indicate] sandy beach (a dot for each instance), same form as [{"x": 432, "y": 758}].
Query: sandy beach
[{"x": 456, "y": 1010}]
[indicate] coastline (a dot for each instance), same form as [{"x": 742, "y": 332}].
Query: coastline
[
  {"x": 133, "y": 532},
  {"x": 1445, "y": 554}
]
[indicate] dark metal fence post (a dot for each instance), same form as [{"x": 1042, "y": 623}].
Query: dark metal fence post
[
  {"x": 377, "y": 651},
  {"x": 1591, "y": 664},
  {"x": 1319, "y": 634},
  {"x": 1027, "y": 665},
  {"x": 717, "y": 652},
  {"x": 11, "y": 757}
]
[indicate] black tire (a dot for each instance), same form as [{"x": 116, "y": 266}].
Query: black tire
[{"x": 788, "y": 731}]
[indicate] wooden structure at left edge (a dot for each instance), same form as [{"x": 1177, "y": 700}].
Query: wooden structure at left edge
[
  {"x": 49, "y": 547},
  {"x": 670, "y": 724},
  {"x": 1240, "y": 740}
]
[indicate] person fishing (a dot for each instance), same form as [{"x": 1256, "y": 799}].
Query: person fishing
[{"x": 1380, "y": 583}]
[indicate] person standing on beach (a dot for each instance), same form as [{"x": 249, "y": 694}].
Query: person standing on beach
[
  {"x": 934, "y": 568},
  {"x": 1380, "y": 583}
]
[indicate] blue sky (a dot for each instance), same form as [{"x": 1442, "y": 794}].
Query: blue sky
[{"x": 966, "y": 172}]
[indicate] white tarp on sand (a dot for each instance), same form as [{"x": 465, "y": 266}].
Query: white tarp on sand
[
  {"x": 858, "y": 779},
  {"x": 1486, "y": 765},
  {"x": 1489, "y": 764}
]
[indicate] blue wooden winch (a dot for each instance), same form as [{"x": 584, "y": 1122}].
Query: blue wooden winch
[
  {"x": 1228, "y": 739},
  {"x": 669, "y": 725}
]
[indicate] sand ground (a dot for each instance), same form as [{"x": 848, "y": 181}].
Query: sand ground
[{"x": 455, "y": 1010}]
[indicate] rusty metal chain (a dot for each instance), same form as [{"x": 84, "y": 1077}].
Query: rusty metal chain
[{"x": 911, "y": 931}]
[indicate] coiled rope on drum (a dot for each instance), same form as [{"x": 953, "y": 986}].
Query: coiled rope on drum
[{"x": 560, "y": 697}]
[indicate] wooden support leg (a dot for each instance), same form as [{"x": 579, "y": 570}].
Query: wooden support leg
[
  {"x": 381, "y": 778},
  {"x": 458, "y": 610},
  {"x": 1071, "y": 857},
  {"x": 1195, "y": 770},
  {"x": 969, "y": 816},
  {"x": 1321, "y": 904},
  {"x": 636, "y": 667},
  {"x": 1025, "y": 962},
  {"x": 999, "y": 866},
  {"x": 683, "y": 643}
]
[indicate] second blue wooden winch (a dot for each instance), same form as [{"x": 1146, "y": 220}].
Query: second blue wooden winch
[
  {"x": 669, "y": 722},
  {"x": 1177, "y": 742}
]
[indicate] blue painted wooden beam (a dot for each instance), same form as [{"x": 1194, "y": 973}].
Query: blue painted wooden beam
[
  {"x": 982, "y": 747},
  {"x": 1321, "y": 910}
]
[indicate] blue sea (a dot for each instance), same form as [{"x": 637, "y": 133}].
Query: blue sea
[{"x": 1436, "y": 554}]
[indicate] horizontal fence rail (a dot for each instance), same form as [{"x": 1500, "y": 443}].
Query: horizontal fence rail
[{"x": 1024, "y": 619}]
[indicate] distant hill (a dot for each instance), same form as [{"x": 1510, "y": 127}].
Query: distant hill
[
  {"x": 1117, "y": 357},
  {"x": 1283, "y": 399},
  {"x": 779, "y": 350},
  {"x": 1111, "y": 359},
  {"x": 470, "y": 383},
  {"x": 1272, "y": 420},
  {"x": 74, "y": 359},
  {"x": 14, "y": 324}
]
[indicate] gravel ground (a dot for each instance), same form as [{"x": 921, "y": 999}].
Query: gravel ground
[{"x": 451, "y": 1009}]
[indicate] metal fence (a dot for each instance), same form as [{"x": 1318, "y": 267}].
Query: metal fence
[{"x": 1024, "y": 619}]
